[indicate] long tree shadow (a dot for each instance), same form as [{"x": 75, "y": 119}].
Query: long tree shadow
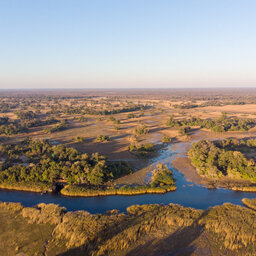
[
  {"x": 104, "y": 235},
  {"x": 179, "y": 243}
]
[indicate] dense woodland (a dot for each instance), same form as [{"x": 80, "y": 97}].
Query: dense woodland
[
  {"x": 230, "y": 158},
  {"x": 40, "y": 162}
]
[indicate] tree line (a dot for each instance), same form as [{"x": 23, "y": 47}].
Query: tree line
[{"x": 222, "y": 124}]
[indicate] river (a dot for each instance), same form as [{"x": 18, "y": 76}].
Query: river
[{"x": 187, "y": 194}]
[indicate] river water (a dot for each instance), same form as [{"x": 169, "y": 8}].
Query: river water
[{"x": 187, "y": 194}]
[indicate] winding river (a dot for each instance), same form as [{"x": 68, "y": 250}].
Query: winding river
[{"x": 187, "y": 194}]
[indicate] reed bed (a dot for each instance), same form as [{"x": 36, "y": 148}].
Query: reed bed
[
  {"x": 26, "y": 186},
  {"x": 72, "y": 190},
  {"x": 250, "y": 203},
  {"x": 245, "y": 189}
]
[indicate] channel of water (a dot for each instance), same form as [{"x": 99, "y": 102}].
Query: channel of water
[{"x": 187, "y": 194}]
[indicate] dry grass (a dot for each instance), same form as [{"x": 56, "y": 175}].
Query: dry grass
[
  {"x": 232, "y": 224},
  {"x": 144, "y": 230},
  {"x": 22, "y": 186},
  {"x": 72, "y": 190},
  {"x": 44, "y": 213},
  {"x": 250, "y": 203},
  {"x": 18, "y": 236}
]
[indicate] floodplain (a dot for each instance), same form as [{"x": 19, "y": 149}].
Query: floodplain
[{"x": 130, "y": 143}]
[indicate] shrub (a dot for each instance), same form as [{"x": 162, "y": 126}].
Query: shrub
[
  {"x": 79, "y": 139},
  {"x": 102, "y": 138},
  {"x": 167, "y": 139},
  {"x": 184, "y": 130},
  {"x": 140, "y": 130}
]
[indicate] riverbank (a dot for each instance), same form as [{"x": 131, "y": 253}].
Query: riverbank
[
  {"x": 29, "y": 187},
  {"x": 250, "y": 203},
  {"x": 81, "y": 191}
]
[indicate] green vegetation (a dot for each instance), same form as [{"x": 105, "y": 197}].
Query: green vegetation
[
  {"x": 28, "y": 120},
  {"x": 141, "y": 130},
  {"x": 185, "y": 106},
  {"x": 184, "y": 130},
  {"x": 79, "y": 139},
  {"x": 208, "y": 103},
  {"x": 102, "y": 138},
  {"x": 144, "y": 230},
  {"x": 222, "y": 124},
  {"x": 162, "y": 181},
  {"x": 57, "y": 128},
  {"x": 117, "y": 127},
  {"x": 224, "y": 158},
  {"x": 114, "y": 120},
  {"x": 161, "y": 177},
  {"x": 129, "y": 116},
  {"x": 37, "y": 122},
  {"x": 167, "y": 139},
  {"x": 37, "y": 165},
  {"x": 142, "y": 149},
  {"x": 25, "y": 115},
  {"x": 12, "y": 128},
  {"x": 93, "y": 111}
]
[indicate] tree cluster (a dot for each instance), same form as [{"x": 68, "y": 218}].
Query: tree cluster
[
  {"x": 224, "y": 158},
  {"x": 46, "y": 163}
]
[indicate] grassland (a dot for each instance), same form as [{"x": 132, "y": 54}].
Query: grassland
[
  {"x": 143, "y": 230},
  {"x": 118, "y": 124}
]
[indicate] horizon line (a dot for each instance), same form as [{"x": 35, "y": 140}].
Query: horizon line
[{"x": 126, "y": 88}]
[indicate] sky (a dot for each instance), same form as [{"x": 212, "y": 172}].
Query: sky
[{"x": 127, "y": 43}]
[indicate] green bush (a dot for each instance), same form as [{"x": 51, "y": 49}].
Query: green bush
[{"x": 102, "y": 138}]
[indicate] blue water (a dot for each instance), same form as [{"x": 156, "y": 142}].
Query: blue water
[{"x": 187, "y": 194}]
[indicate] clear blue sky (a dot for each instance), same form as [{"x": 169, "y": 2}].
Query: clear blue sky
[{"x": 127, "y": 43}]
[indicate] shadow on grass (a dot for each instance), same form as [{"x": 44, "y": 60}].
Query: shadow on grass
[{"x": 180, "y": 243}]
